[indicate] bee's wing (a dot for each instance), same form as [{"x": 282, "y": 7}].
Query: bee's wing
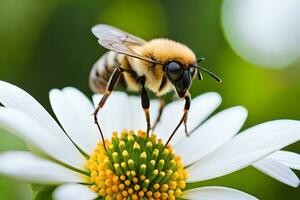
[{"x": 119, "y": 41}]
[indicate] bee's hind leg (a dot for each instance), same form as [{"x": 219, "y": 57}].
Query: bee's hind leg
[
  {"x": 145, "y": 102},
  {"x": 160, "y": 111},
  {"x": 184, "y": 117},
  {"x": 113, "y": 80}
]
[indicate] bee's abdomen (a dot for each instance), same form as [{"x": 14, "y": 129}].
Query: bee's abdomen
[{"x": 103, "y": 69}]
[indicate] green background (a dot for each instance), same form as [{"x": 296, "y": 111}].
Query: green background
[{"x": 48, "y": 44}]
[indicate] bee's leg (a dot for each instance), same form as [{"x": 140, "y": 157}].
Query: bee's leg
[
  {"x": 184, "y": 117},
  {"x": 160, "y": 111},
  {"x": 145, "y": 102},
  {"x": 186, "y": 110},
  {"x": 113, "y": 80}
]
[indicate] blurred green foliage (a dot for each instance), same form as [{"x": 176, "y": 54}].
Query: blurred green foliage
[{"x": 48, "y": 44}]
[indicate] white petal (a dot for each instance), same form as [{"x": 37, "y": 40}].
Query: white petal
[
  {"x": 216, "y": 193},
  {"x": 28, "y": 167},
  {"x": 278, "y": 171},
  {"x": 133, "y": 117},
  {"x": 114, "y": 114},
  {"x": 246, "y": 148},
  {"x": 26, "y": 127},
  {"x": 74, "y": 112},
  {"x": 154, "y": 108},
  {"x": 211, "y": 135},
  {"x": 137, "y": 115},
  {"x": 73, "y": 192},
  {"x": 201, "y": 107},
  {"x": 17, "y": 99},
  {"x": 138, "y": 121},
  {"x": 289, "y": 159},
  {"x": 87, "y": 110},
  {"x": 96, "y": 99}
]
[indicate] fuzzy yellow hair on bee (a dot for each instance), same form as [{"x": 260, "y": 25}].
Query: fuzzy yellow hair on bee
[
  {"x": 159, "y": 65},
  {"x": 165, "y": 50}
]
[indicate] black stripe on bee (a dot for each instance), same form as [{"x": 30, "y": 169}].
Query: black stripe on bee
[
  {"x": 116, "y": 59},
  {"x": 105, "y": 63}
]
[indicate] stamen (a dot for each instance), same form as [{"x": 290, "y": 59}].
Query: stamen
[{"x": 135, "y": 166}]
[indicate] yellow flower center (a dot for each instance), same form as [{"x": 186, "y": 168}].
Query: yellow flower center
[{"x": 135, "y": 166}]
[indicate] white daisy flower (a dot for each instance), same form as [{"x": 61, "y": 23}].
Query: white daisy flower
[{"x": 134, "y": 165}]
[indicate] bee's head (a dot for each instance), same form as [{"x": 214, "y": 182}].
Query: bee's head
[{"x": 180, "y": 75}]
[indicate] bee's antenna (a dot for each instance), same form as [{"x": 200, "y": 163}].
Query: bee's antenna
[
  {"x": 199, "y": 74},
  {"x": 209, "y": 73},
  {"x": 200, "y": 60}
]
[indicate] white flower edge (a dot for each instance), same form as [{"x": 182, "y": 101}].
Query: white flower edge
[
  {"x": 267, "y": 154},
  {"x": 14, "y": 98},
  {"x": 29, "y": 167},
  {"x": 290, "y": 159},
  {"x": 246, "y": 148},
  {"x": 278, "y": 171},
  {"x": 73, "y": 192},
  {"x": 205, "y": 104},
  {"x": 30, "y": 130},
  {"x": 216, "y": 193},
  {"x": 81, "y": 192},
  {"x": 69, "y": 106},
  {"x": 212, "y": 134}
]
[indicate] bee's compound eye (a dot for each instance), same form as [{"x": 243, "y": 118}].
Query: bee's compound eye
[{"x": 174, "y": 70}]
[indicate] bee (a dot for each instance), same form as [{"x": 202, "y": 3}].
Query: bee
[{"x": 160, "y": 65}]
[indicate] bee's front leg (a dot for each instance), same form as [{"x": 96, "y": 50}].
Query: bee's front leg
[
  {"x": 145, "y": 102},
  {"x": 184, "y": 118},
  {"x": 186, "y": 112}
]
